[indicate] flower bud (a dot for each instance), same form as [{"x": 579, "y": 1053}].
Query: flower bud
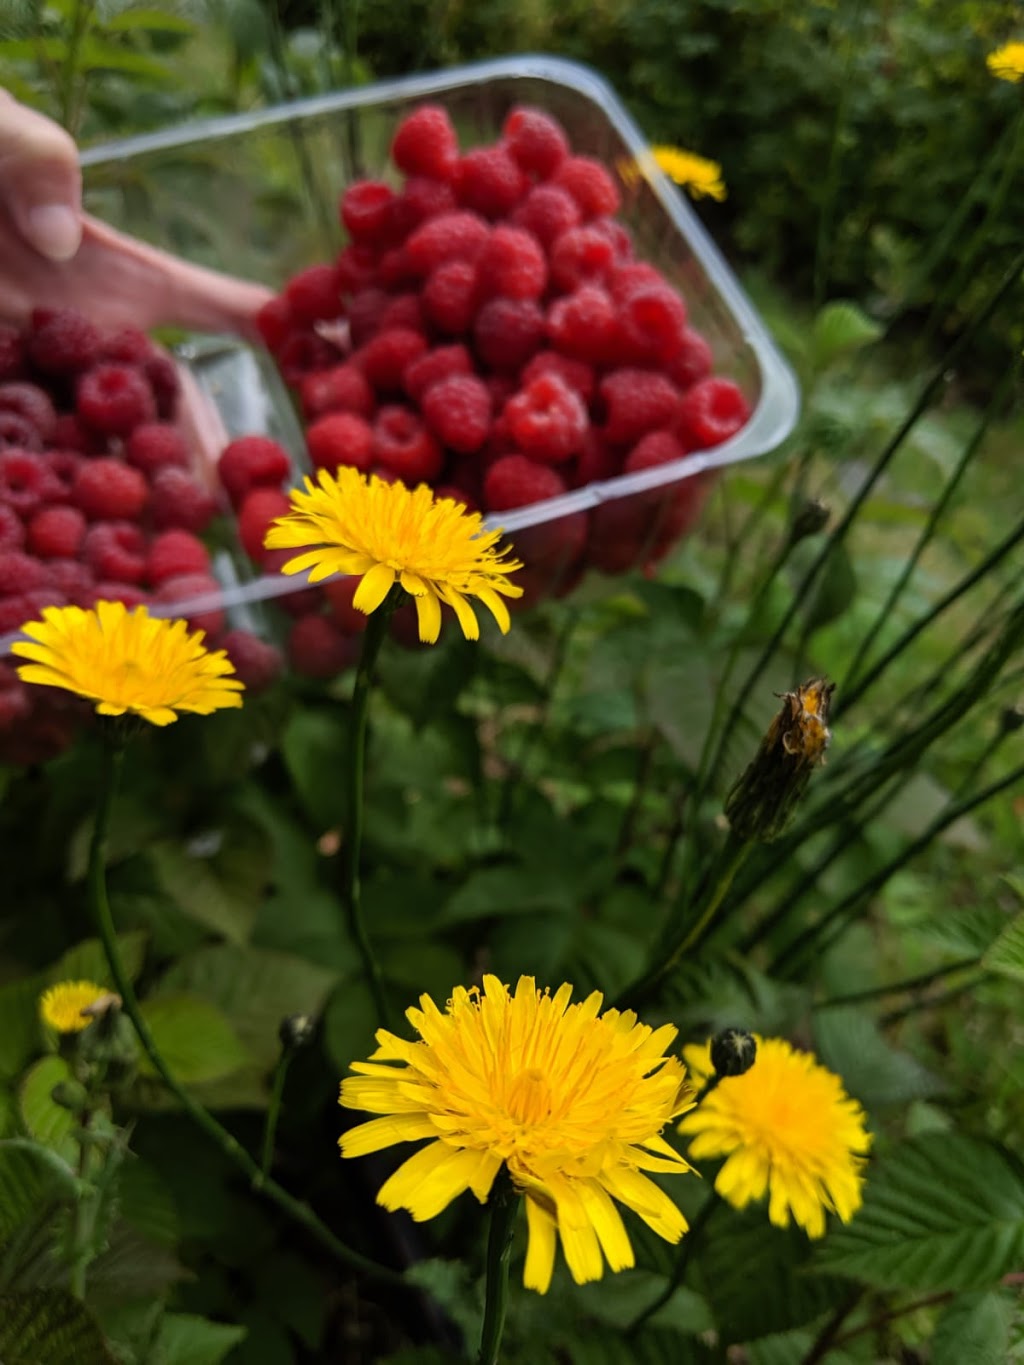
[
  {"x": 809, "y": 518},
  {"x": 295, "y": 1031},
  {"x": 1011, "y": 719},
  {"x": 733, "y": 1052},
  {"x": 70, "y": 1095}
]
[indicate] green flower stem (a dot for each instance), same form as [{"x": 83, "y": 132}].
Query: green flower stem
[
  {"x": 934, "y": 1002},
  {"x": 81, "y": 1219},
  {"x": 504, "y": 1207},
  {"x": 355, "y": 814},
  {"x": 828, "y": 205},
  {"x": 113, "y": 759},
  {"x": 908, "y": 984},
  {"x": 70, "y": 103},
  {"x": 682, "y": 1261},
  {"x": 274, "y": 1109},
  {"x": 825, "y": 1339}
]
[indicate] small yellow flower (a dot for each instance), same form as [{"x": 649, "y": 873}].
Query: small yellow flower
[
  {"x": 787, "y": 1129},
  {"x": 571, "y": 1101},
  {"x": 1007, "y": 62},
  {"x": 433, "y": 547},
  {"x": 63, "y": 1007},
  {"x": 127, "y": 661},
  {"x": 695, "y": 173}
]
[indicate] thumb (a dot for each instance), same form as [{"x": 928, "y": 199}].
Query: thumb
[{"x": 40, "y": 183}]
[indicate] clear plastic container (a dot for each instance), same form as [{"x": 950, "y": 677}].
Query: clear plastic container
[{"x": 257, "y": 195}]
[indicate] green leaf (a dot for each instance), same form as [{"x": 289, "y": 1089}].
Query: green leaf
[
  {"x": 840, "y": 329},
  {"x": 146, "y": 1203},
  {"x": 30, "y": 1176},
  {"x": 623, "y": 1297},
  {"x": 199, "y": 893},
  {"x": 149, "y": 21},
  {"x": 973, "y": 1330},
  {"x": 1006, "y": 955},
  {"x": 315, "y": 750},
  {"x": 45, "y": 1120},
  {"x": 185, "y": 1339},
  {"x": 849, "y": 1042},
  {"x": 87, "y": 961},
  {"x": 941, "y": 1211},
  {"x": 19, "y": 1024},
  {"x": 49, "y": 1327},
  {"x": 195, "y": 1039},
  {"x": 834, "y": 589},
  {"x": 495, "y": 891}
]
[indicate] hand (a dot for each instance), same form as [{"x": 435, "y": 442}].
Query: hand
[{"x": 54, "y": 255}]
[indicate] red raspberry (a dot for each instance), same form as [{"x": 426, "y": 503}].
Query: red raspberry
[
  {"x": 693, "y": 362},
  {"x": 189, "y": 587},
  {"x": 69, "y": 434},
  {"x": 455, "y": 494},
  {"x": 489, "y": 182},
  {"x": 403, "y": 311},
  {"x": 12, "y": 532},
  {"x": 508, "y": 332},
  {"x": 15, "y": 702},
  {"x": 421, "y": 199},
  {"x": 365, "y": 313},
  {"x": 63, "y": 467},
  {"x": 623, "y": 280},
  {"x": 652, "y": 320},
  {"x": 585, "y": 325},
  {"x": 404, "y": 446},
  {"x": 275, "y": 322},
  {"x": 458, "y": 411},
  {"x": 33, "y": 404},
  {"x": 72, "y": 578},
  {"x": 637, "y": 401},
  {"x": 111, "y": 591},
  {"x": 303, "y": 352},
  {"x": 589, "y": 184},
  {"x": 17, "y": 433},
  {"x": 317, "y": 648},
  {"x": 547, "y": 419},
  {"x": 12, "y": 353},
  {"x": 173, "y": 553},
  {"x": 548, "y": 212},
  {"x": 162, "y": 374},
  {"x": 56, "y": 532},
  {"x": 617, "y": 236},
  {"x": 425, "y": 143},
  {"x": 128, "y": 346},
  {"x": 449, "y": 297},
  {"x": 314, "y": 294},
  {"x": 440, "y": 363},
  {"x": 536, "y": 141},
  {"x": 396, "y": 270},
  {"x": 63, "y": 341},
  {"x": 19, "y": 608},
  {"x": 339, "y": 593},
  {"x": 250, "y": 462},
  {"x": 656, "y": 448},
  {"x": 710, "y": 412},
  {"x": 298, "y": 602},
  {"x": 21, "y": 573},
  {"x": 109, "y": 490},
  {"x": 514, "y": 481},
  {"x": 341, "y": 389},
  {"x": 673, "y": 509},
  {"x": 575, "y": 373},
  {"x": 178, "y": 500},
  {"x": 367, "y": 211},
  {"x": 256, "y": 663},
  {"x": 154, "y": 444},
  {"x": 260, "y": 509},
  {"x": 512, "y": 263},
  {"x": 357, "y": 269},
  {"x": 340, "y": 438},
  {"x": 115, "y": 551},
  {"x": 115, "y": 399},
  {"x": 451, "y": 237},
  {"x": 580, "y": 256},
  {"x": 25, "y": 481},
  {"x": 383, "y": 359},
  {"x": 597, "y": 461}
]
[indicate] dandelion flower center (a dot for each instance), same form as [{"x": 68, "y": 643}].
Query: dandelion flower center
[{"x": 63, "y": 1007}]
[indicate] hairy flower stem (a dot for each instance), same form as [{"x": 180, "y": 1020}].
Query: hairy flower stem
[
  {"x": 504, "y": 1204},
  {"x": 682, "y": 1261},
  {"x": 297, "y": 1212},
  {"x": 274, "y": 1109}
]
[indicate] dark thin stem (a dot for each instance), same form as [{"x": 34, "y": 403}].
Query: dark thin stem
[
  {"x": 504, "y": 1207},
  {"x": 828, "y": 205},
  {"x": 274, "y": 1109},
  {"x": 644, "y": 769},
  {"x": 299, "y": 1213},
  {"x": 746, "y": 531},
  {"x": 892, "y": 1315},
  {"x": 933, "y": 1002},
  {"x": 910, "y": 983},
  {"x": 826, "y": 1338},
  {"x": 682, "y": 1261}
]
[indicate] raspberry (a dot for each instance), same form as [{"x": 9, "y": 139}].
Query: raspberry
[
  {"x": 580, "y": 256},
  {"x": 128, "y": 346},
  {"x": 515, "y": 481},
  {"x": 422, "y": 198},
  {"x": 20, "y": 573},
  {"x": 72, "y": 578},
  {"x": 489, "y": 182},
  {"x": 508, "y": 332},
  {"x": 275, "y": 322},
  {"x": 693, "y": 362},
  {"x": 301, "y": 353},
  {"x": 17, "y": 433},
  {"x": 154, "y": 444},
  {"x": 317, "y": 648},
  {"x": 617, "y": 237},
  {"x": 403, "y": 311},
  {"x": 653, "y": 320},
  {"x": 25, "y": 481},
  {"x": 547, "y": 212},
  {"x": 637, "y": 401},
  {"x": 177, "y": 592},
  {"x": 63, "y": 342},
  {"x": 19, "y": 608},
  {"x": 383, "y": 359},
  {"x": 339, "y": 593},
  {"x": 512, "y": 263},
  {"x": 455, "y": 494},
  {"x": 109, "y": 490},
  {"x": 15, "y": 703},
  {"x": 449, "y": 297},
  {"x": 12, "y": 532},
  {"x": 367, "y": 211},
  {"x": 536, "y": 141},
  {"x": 178, "y": 500},
  {"x": 340, "y": 438},
  {"x": 256, "y": 663},
  {"x": 625, "y": 279},
  {"x": 585, "y": 325},
  {"x": 395, "y": 269},
  {"x": 261, "y": 507},
  {"x": 33, "y": 404},
  {"x": 404, "y": 446},
  {"x": 162, "y": 374},
  {"x": 674, "y": 509},
  {"x": 314, "y": 294},
  {"x": 344, "y": 388},
  {"x": 450, "y": 237},
  {"x": 251, "y": 461},
  {"x": 710, "y": 412},
  {"x": 12, "y": 353},
  {"x": 297, "y": 603},
  {"x": 357, "y": 269},
  {"x": 173, "y": 553},
  {"x": 63, "y": 467},
  {"x": 589, "y": 184},
  {"x": 56, "y": 532},
  {"x": 69, "y": 434},
  {"x": 547, "y": 419},
  {"x": 115, "y": 399},
  {"x": 425, "y": 143},
  {"x": 575, "y": 373},
  {"x": 115, "y": 551},
  {"x": 597, "y": 461},
  {"x": 458, "y": 411},
  {"x": 656, "y": 448},
  {"x": 110, "y": 590},
  {"x": 433, "y": 366},
  {"x": 365, "y": 312}
]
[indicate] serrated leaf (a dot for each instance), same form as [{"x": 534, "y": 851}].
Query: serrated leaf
[
  {"x": 849, "y": 1042},
  {"x": 45, "y": 1120},
  {"x": 49, "y": 1327},
  {"x": 315, "y": 749},
  {"x": 87, "y": 961},
  {"x": 973, "y": 1330},
  {"x": 31, "y": 1176},
  {"x": 1006, "y": 955},
  {"x": 841, "y": 328},
  {"x": 494, "y": 891},
  {"x": 185, "y": 1339},
  {"x": 198, "y": 892},
  {"x": 194, "y": 1038},
  {"x": 941, "y": 1211}
]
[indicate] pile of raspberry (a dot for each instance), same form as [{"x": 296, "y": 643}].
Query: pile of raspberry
[
  {"x": 489, "y": 330},
  {"x": 99, "y": 499}
]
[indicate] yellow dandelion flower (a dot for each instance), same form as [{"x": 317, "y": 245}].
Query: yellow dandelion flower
[
  {"x": 571, "y": 1101},
  {"x": 786, "y": 1128},
  {"x": 1006, "y": 63},
  {"x": 433, "y": 547},
  {"x": 63, "y": 1007},
  {"x": 127, "y": 661},
  {"x": 703, "y": 178}
]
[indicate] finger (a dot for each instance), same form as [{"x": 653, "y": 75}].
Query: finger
[{"x": 40, "y": 182}]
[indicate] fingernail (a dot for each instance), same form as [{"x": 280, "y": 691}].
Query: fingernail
[{"x": 54, "y": 230}]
